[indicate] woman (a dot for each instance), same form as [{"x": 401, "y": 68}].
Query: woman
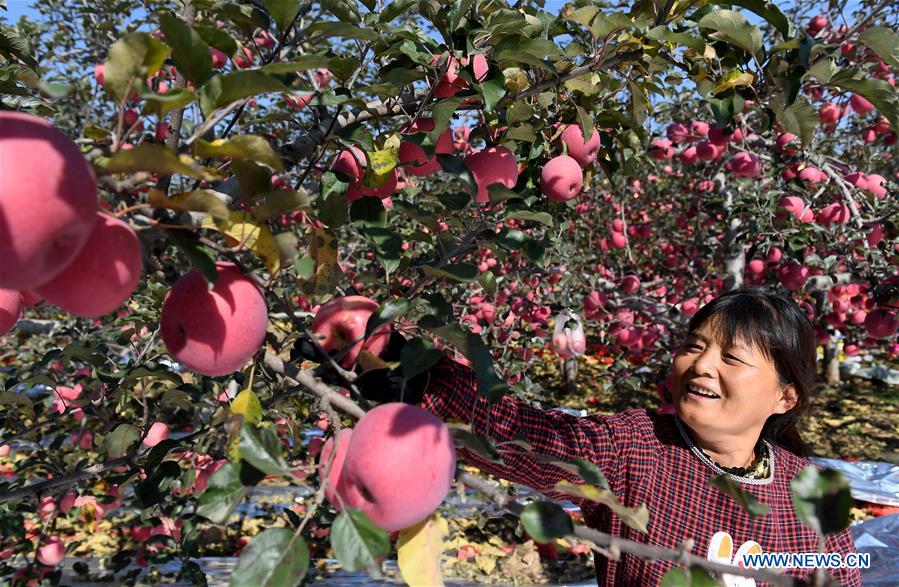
[{"x": 739, "y": 383}]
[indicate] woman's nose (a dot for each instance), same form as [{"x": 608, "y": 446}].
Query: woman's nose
[{"x": 704, "y": 363}]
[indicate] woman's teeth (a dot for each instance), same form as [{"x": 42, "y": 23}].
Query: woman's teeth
[{"x": 701, "y": 392}]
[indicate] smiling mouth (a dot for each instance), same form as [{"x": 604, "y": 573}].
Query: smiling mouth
[{"x": 701, "y": 392}]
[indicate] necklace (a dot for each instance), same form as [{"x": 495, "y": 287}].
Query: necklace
[{"x": 736, "y": 473}]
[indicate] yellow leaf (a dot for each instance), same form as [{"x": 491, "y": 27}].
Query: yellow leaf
[
  {"x": 205, "y": 201},
  {"x": 419, "y": 549},
  {"x": 251, "y": 147},
  {"x": 243, "y": 231},
  {"x": 318, "y": 270},
  {"x": 247, "y": 405},
  {"x": 733, "y": 79},
  {"x": 381, "y": 163}
]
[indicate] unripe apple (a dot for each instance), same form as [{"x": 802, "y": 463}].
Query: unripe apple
[
  {"x": 51, "y": 552},
  {"x": 49, "y": 201},
  {"x": 880, "y": 323},
  {"x": 399, "y": 465},
  {"x": 492, "y": 165},
  {"x": 745, "y": 164},
  {"x": 102, "y": 276},
  {"x": 341, "y": 323},
  {"x": 860, "y": 105},
  {"x": 214, "y": 331},
  {"x": 343, "y": 442},
  {"x": 10, "y": 309},
  {"x": 583, "y": 153},
  {"x": 797, "y": 208},
  {"x": 561, "y": 178}
]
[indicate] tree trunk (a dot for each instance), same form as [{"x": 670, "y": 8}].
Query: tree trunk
[{"x": 569, "y": 372}]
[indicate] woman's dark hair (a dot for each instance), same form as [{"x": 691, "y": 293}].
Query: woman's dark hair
[{"x": 780, "y": 329}]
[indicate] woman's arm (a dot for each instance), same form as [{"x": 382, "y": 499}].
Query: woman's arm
[{"x": 451, "y": 394}]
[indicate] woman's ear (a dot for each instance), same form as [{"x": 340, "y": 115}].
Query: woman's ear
[{"x": 787, "y": 400}]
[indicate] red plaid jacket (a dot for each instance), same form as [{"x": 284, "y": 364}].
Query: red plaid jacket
[{"x": 646, "y": 460}]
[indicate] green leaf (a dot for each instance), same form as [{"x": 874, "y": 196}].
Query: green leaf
[
  {"x": 189, "y": 51},
  {"x": 800, "y": 119},
  {"x": 246, "y": 403},
  {"x": 442, "y": 113},
  {"x": 216, "y": 37},
  {"x": 283, "y": 11},
  {"x": 528, "y": 216},
  {"x": 251, "y": 147},
  {"x": 357, "y": 541},
  {"x": 823, "y": 70},
  {"x": 585, "y": 122},
  {"x": 200, "y": 257},
  {"x": 277, "y": 557},
  {"x": 487, "y": 279},
  {"x": 493, "y": 91},
  {"x": 117, "y": 442},
  {"x": 262, "y": 449},
  {"x": 368, "y": 212},
  {"x": 884, "y": 42},
  {"x": 458, "y": 272},
  {"x": 222, "y": 89},
  {"x": 131, "y": 60},
  {"x": 342, "y": 30},
  {"x": 387, "y": 243},
  {"x": 205, "y": 201},
  {"x": 465, "y": 438},
  {"x": 162, "y": 104},
  {"x": 635, "y": 517},
  {"x": 417, "y": 356},
  {"x": 821, "y": 499},
  {"x": 747, "y": 501},
  {"x": 14, "y": 44},
  {"x": 253, "y": 179},
  {"x": 546, "y": 521},
  {"x": 767, "y": 10},
  {"x": 224, "y": 492},
  {"x": 600, "y": 25},
  {"x": 386, "y": 313},
  {"x": 731, "y": 26},
  {"x": 280, "y": 202},
  {"x": 156, "y": 159},
  {"x": 695, "y": 576},
  {"x": 299, "y": 63}
]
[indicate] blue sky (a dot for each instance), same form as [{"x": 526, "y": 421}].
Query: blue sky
[{"x": 16, "y": 8}]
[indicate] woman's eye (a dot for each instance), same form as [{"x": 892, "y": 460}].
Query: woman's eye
[{"x": 731, "y": 357}]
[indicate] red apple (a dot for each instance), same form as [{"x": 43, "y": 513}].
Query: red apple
[
  {"x": 343, "y": 442},
  {"x": 10, "y": 309},
  {"x": 214, "y": 331},
  {"x": 561, "y": 178},
  {"x": 745, "y": 164},
  {"x": 836, "y": 213},
  {"x": 341, "y": 323},
  {"x": 706, "y": 151},
  {"x": 157, "y": 433},
  {"x": 880, "y": 323},
  {"x": 414, "y": 159},
  {"x": 661, "y": 150},
  {"x": 793, "y": 275},
  {"x": 583, "y": 153},
  {"x": 492, "y": 165},
  {"x": 797, "y": 208},
  {"x": 49, "y": 201},
  {"x": 860, "y": 105},
  {"x": 219, "y": 59},
  {"x": 102, "y": 276},
  {"x": 51, "y": 552},
  {"x": 677, "y": 133},
  {"x": 384, "y": 473}
]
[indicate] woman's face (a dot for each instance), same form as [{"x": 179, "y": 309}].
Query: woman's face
[{"x": 724, "y": 392}]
